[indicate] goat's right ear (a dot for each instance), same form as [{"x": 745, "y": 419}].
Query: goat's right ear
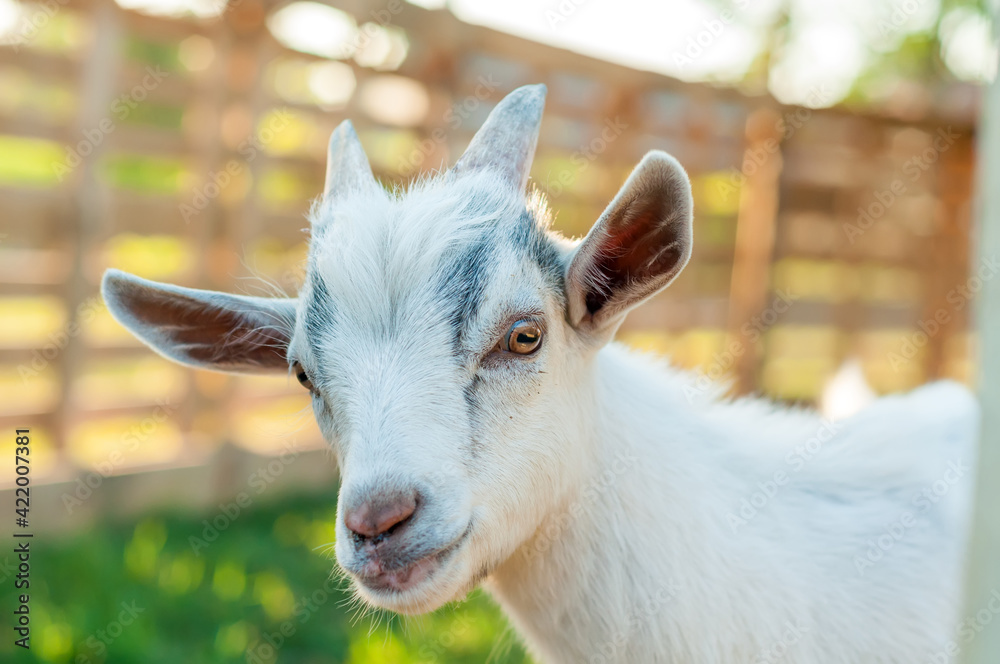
[
  {"x": 637, "y": 247},
  {"x": 205, "y": 329}
]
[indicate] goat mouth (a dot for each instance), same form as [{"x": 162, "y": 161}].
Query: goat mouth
[{"x": 412, "y": 574}]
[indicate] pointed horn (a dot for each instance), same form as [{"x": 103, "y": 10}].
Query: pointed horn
[
  {"x": 347, "y": 167},
  {"x": 506, "y": 142}
]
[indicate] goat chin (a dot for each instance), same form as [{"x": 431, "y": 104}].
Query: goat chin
[{"x": 441, "y": 580}]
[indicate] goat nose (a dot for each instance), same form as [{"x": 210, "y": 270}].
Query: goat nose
[{"x": 381, "y": 514}]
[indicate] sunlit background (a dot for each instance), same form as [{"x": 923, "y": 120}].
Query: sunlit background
[{"x": 831, "y": 150}]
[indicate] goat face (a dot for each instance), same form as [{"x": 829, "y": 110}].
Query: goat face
[{"x": 447, "y": 338}]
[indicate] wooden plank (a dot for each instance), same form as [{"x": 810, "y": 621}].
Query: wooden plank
[
  {"x": 41, "y": 64},
  {"x": 31, "y": 125},
  {"x": 946, "y": 256},
  {"x": 755, "y": 234},
  {"x": 89, "y": 195}
]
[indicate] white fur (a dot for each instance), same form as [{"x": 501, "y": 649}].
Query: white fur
[
  {"x": 604, "y": 505},
  {"x": 653, "y": 571},
  {"x": 616, "y": 509}
]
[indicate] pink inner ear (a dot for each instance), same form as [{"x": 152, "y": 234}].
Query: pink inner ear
[
  {"x": 210, "y": 334},
  {"x": 639, "y": 249}
]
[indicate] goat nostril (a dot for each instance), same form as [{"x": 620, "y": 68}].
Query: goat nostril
[{"x": 379, "y": 518}]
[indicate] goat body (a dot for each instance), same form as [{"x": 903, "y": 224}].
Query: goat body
[
  {"x": 460, "y": 363},
  {"x": 710, "y": 531}
]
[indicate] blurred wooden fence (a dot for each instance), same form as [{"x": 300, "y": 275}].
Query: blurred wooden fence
[{"x": 188, "y": 150}]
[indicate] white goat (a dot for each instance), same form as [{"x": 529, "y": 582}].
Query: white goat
[{"x": 486, "y": 431}]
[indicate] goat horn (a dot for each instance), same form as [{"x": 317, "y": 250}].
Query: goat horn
[
  {"x": 506, "y": 143},
  {"x": 347, "y": 167}
]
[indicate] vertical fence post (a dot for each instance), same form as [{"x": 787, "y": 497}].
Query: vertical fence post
[
  {"x": 88, "y": 211},
  {"x": 983, "y": 583},
  {"x": 755, "y": 236}
]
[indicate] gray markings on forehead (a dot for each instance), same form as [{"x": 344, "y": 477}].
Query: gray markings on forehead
[
  {"x": 530, "y": 238},
  {"x": 319, "y": 312},
  {"x": 543, "y": 252},
  {"x": 463, "y": 280},
  {"x": 463, "y": 273}
]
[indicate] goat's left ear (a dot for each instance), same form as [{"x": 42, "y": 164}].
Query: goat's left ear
[
  {"x": 205, "y": 329},
  {"x": 637, "y": 247}
]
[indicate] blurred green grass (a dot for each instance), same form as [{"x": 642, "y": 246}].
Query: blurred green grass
[{"x": 229, "y": 601}]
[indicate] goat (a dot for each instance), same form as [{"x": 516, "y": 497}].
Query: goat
[{"x": 488, "y": 431}]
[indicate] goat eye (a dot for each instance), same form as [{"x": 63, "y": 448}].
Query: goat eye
[
  {"x": 523, "y": 338},
  {"x": 303, "y": 377}
]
